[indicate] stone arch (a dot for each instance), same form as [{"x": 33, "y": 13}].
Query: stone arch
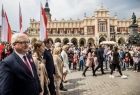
[
  {"x": 74, "y": 41},
  {"x": 65, "y": 41},
  {"x": 57, "y": 40},
  {"x": 51, "y": 40},
  {"x": 102, "y": 39},
  {"x": 121, "y": 41},
  {"x": 90, "y": 40},
  {"x": 82, "y": 42}
]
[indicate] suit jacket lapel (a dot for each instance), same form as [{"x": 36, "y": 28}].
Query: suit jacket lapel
[{"x": 23, "y": 67}]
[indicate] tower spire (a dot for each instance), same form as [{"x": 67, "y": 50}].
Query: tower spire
[
  {"x": 47, "y": 10},
  {"x": 102, "y": 4},
  {"x": 47, "y": 5}
]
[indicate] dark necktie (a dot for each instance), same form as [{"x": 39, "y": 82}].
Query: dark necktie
[{"x": 27, "y": 63}]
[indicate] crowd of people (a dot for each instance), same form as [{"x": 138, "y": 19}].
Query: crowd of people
[{"x": 41, "y": 67}]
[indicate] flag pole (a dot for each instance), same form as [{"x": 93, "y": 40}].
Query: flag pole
[{"x": 20, "y": 19}]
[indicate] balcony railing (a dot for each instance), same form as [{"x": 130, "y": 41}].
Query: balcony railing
[{"x": 69, "y": 35}]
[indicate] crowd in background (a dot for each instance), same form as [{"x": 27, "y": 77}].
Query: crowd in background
[{"x": 54, "y": 61}]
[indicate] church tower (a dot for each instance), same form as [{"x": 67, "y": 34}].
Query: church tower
[{"x": 47, "y": 10}]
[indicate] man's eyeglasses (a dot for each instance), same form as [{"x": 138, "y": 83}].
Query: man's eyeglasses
[{"x": 23, "y": 42}]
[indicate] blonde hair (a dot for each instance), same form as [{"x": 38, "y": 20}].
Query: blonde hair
[
  {"x": 65, "y": 47},
  {"x": 57, "y": 50},
  {"x": 37, "y": 45}
]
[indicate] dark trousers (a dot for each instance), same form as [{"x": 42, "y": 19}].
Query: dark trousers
[
  {"x": 70, "y": 64},
  {"x": 106, "y": 62},
  {"x": 135, "y": 67},
  {"x": 139, "y": 66},
  {"x": 93, "y": 71},
  {"x": 74, "y": 66},
  {"x": 51, "y": 86},
  {"x": 100, "y": 65},
  {"x": 81, "y": 67},
  {"x": 61, "y": 84},
  {"x": 113, "y": 66}
]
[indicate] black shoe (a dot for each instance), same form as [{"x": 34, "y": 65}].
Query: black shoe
[
  {"x": 103, "y": 73},
  {"x": 63, "y": 89},
  {"x": 138, "y": 70},
  {"x": 83, "y": 75},
  {"x": 94, "y": 75},
  {"x": 65, "y": 81}
]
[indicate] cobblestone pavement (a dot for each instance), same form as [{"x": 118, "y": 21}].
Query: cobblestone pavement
[{"x": 102, "y": 84}]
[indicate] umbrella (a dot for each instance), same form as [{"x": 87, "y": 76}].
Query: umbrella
[
  {"x": 69, "y": 43},
  {"x": 108, "y": 43}
]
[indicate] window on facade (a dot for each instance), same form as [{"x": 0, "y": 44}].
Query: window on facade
[
  {"x": 54, "y": 31},
  {"x": 36, "y": 32},
  {"x": 118, "y": 29},
  {"x": 72, "y": 32},
  {"x": 126, "y": 29},
  {"x": 61, "y": 31},
  {"x": 102, "y": 26},
  {"x": 58, "y": 30},
  {"x": 112, "y": 29},
  {"x": 75, "y": 31},
  {"x": 51, "y": 32},
  {"x": 67, "y": 31},
  {"x": 90, "y": 30},
  {"x": 82, "y": 31},
  {"x": 123, "y": 29}
]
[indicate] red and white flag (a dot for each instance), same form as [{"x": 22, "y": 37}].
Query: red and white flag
[
  {"x": 6, "y": 29},
  {"x": 4, "y": 33},
  {"x": 20, "y": 19},
  {"x": 43, "y": 25},
  {"x": 9, "y": 36}
]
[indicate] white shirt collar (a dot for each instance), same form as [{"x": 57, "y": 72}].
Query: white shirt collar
[{"x": 20, "y": 55}]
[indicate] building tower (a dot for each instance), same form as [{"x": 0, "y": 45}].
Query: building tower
[{"x": 47, "y": 10}]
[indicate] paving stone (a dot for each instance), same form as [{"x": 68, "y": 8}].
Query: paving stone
[{"x": 102, "y": 84}]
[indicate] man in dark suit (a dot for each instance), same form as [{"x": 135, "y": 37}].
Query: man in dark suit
[
  {"x": 17, "y": 75},
  {"x": 100, "y": 58},
  {"x": 49, "y": 64}
]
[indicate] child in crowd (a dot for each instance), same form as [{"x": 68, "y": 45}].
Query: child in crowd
[{"x": 81, "y": 62}]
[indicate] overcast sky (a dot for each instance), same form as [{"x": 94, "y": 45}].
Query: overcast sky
[{"x": 66, "y": 9}]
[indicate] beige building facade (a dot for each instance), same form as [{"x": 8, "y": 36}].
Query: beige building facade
[{"x": 95, "y": 29}]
